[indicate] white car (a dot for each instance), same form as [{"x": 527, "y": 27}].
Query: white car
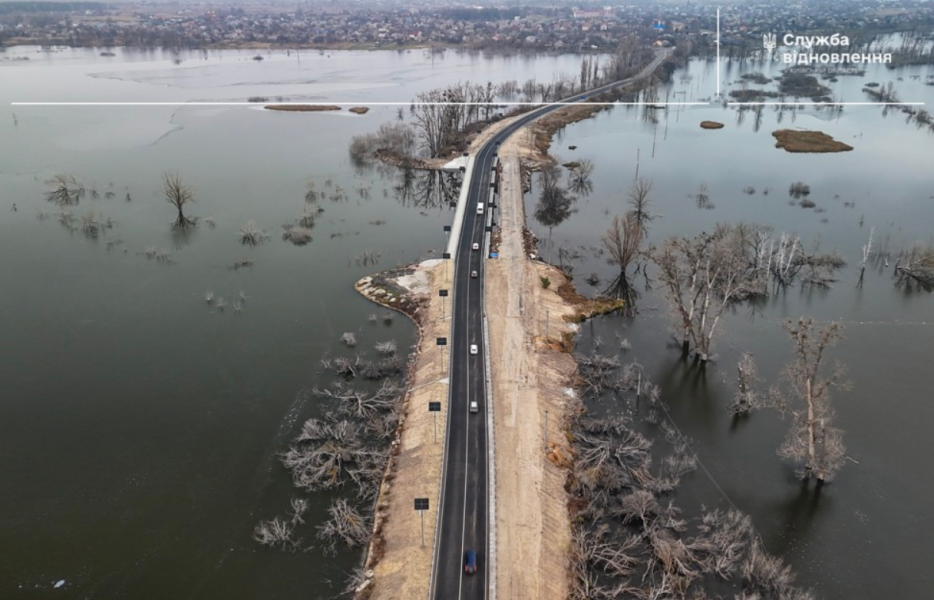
[
  {"x": 473, "y": 349},
  {"x": 473, "y": 406},
  {"x": 473, "y": 274},
  {"x": 475, "y": 246}
]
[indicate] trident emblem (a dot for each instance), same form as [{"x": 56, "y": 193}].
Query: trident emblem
[{"x": 769, "y": 41}]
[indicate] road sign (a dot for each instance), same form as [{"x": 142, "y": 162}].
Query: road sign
[
  {"x": 434, "y": 406},
  {"x": 447, "y": 229},
  {"x": 421, "y": 505},
  {"x": 446, "y": 255},
  {"x": 442, "y": 341},
  {"x": 443, "y": 293}
]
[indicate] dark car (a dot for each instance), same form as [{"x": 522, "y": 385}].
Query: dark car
[{"x": 470, "y": 561}]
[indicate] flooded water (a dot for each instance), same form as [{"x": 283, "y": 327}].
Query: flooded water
[
  {"x": 865, "y": 534},
  {"x": 139, "y": 427}
]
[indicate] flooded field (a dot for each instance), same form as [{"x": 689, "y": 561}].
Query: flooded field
[{"x": 864, "y": 534}]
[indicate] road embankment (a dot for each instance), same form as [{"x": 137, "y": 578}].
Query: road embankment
[
  {"x": 397, "y": 565},
  {"x": 532, "y": 378}
]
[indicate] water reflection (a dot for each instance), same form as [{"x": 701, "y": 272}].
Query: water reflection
[{"x": 427, "y": 189}]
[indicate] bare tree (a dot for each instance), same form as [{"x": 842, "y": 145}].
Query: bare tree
[
  {"x": 345, "y": 525},
  {"x": 622, "y": 242},
  {"x": 812, "y": 441},
  {"x": 914, "y": 267},
  {"x": 747, "y": 377},
  {"x": 703, "y": 197},
  {"x": 703, "y": 277},
  {"x": 64, "y": 190},
  {"x": 867, "y": 253},
  {"x": 640, "y": 203},
  {"x": 555, "y": 204},
  {"x": 178, "y": 194},
  {"x": 579, "y": 173}
]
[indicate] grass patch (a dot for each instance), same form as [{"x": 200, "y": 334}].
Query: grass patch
[
  {"x": 586, "y": 308},
  {"x": 808, "y": 141}
]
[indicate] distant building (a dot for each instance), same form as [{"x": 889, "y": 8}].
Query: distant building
[{"x": 592, "y": 13}]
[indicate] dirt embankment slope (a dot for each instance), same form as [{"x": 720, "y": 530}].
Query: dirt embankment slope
[{"x": 397, "y": 564}]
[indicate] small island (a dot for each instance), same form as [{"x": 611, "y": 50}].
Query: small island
[
  {"x": 359, "y": 110},
  {"x": 303, "y": 107},
  {"x": 808, "y": 141},
  {"x": 711, "y": 125}
]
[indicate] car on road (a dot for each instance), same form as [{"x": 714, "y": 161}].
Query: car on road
[
  {"x": 474, "y": 407},
  {"x": 583, "y": 97},
  {"x": 473, "y": 274},
  {"x": 470, "y": 562},
  {"x": 479, "y": 208},
  {"x": 473, "y": 349},
  {"x": 475, "y": 246}
]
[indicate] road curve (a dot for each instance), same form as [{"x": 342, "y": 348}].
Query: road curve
[{"x": 465, "y": 478}]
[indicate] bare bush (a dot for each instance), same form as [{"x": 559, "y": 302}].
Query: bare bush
[
  {"x": 345, "y": 525},
  {"x": 276, "y": 533},
  {"x": 349, "y": 339},
  {"x": 251, "y": 235},
  {"x": 386, "y": 348},
  {"x": 799, "y": 189},
  {"x": 296, "y": 234},
  {"x": 64, "y": 190}
]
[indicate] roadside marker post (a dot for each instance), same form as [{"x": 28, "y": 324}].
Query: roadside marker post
[
  {"x": 434, "y": 408},
  {"x": 442, "y": 342},
  {"x": 421, "y": 505},
  {"x": 442, "y": 294},
  {"x": 446, "y": 257}
]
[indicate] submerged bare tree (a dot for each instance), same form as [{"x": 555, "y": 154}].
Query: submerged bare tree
[
  {"x": 579, "y": 173},
  {"x": 346, "y": 525},
  {"x": 640, "y": 204},
  {"x": 747, "y": 376},
  {"x": 704, "y": 276},
  {"x": 178, "y": 194},
  {"x": 812, "y": 441},
  {"x": 867, "y": 254},
  {"x": 914, "y": 268},
  {"x": 622, "y": 242},
  {"x": 64, "y": 190},
  {"x": 555, "y": 204},
  {"x": 252, "y": 235}
]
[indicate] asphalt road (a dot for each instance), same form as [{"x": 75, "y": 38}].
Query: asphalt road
[{"x": 464, "y": 493}]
